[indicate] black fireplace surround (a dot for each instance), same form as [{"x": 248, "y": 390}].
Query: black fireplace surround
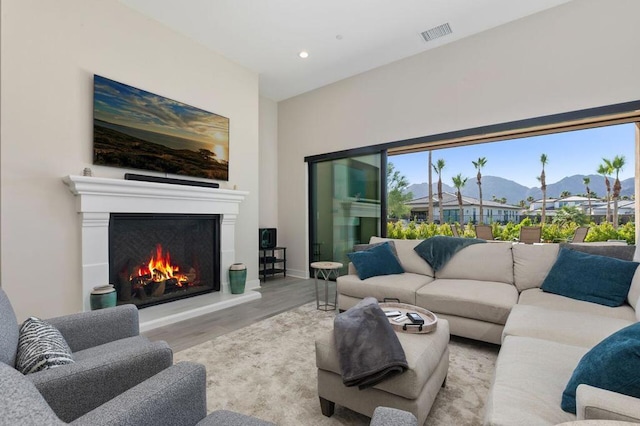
[{"x": 157, "y": 258}]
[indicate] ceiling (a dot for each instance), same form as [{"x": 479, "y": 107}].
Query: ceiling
[{"x": 343, "y": 37}]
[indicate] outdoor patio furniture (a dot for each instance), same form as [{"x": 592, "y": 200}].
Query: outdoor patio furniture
[
  {"x": 484, "y": 232},
  {"x": 530, "y": 234},
  {"x": 454, "y": 230},
  {"x": 580, "y": 234}
]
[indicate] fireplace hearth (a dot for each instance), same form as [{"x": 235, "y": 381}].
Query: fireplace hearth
[{"x": 158, "y": 258}]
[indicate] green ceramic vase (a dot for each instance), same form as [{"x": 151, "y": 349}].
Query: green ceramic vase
[{"x": 237, "y": 278}]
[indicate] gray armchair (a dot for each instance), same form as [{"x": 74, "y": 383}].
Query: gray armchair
[{"x": 110, "y": 358}]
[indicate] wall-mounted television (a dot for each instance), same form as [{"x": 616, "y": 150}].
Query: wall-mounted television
[{"x": 136, "y": 129}]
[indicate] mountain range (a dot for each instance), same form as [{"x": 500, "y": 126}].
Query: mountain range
[{"x": 514, "y": 192}]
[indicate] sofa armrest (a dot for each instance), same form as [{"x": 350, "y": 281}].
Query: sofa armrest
[
  {"x": 73, "y": 390},
  {"x": 175, "y": 396},
  {"x": 88, "y": 329},
  {"x": 599, "y": 404},
  {"x": 385, "y": 416}
]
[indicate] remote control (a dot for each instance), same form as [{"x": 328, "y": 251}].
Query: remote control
[
  {"x": 415, "y": 318},
  {"x": 401, "y": 318}
]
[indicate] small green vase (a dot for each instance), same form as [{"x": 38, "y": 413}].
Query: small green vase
[
  {"x": 102, "y": 297},
  {"x": 237, "y": 278}
]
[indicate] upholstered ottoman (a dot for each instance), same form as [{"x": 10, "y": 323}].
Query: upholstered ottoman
[{"x": 413, "y": 391}]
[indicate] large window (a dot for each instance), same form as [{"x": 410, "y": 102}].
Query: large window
[{"x": 342, "y": 179}]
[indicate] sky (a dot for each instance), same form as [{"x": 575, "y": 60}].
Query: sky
[{"x": 569, "y": 153}]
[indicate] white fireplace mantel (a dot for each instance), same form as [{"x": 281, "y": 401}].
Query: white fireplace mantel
[{"x": 97, "y": 198}]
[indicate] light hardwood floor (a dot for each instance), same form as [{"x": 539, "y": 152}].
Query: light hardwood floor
[{"x": 278, "y": 295}]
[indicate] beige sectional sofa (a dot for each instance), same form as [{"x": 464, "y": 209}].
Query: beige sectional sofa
[{"x": 491, "y": 292}]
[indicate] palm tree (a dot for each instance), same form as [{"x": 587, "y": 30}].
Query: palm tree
[
  {"x": 587, "y": 181},
  {"x": 430, "y": 217},
  {"x": 530, "y": 199},
  {"x": 482, "y": 161},
  {"x": 543, "y": 188},
  {"x": 605, "y": 170},
  {"x": 459, "y": 182},
  {"x": 438, "y": 168},
  {"x": 617, "y": 164},
  {"x": 565, "y": 194}
]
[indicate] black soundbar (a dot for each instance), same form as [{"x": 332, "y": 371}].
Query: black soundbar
[{"x": 172, "y": 181}]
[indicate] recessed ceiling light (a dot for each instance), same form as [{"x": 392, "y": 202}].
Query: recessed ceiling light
[{"x": 304, "y": 54}]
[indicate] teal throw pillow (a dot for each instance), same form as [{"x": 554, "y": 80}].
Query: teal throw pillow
[
  {"x": 438, "y": 250},
  {"x": 589, "y": 277},
  {"x": 613, "y": 364},
  {"x": 378, "y": 260}
]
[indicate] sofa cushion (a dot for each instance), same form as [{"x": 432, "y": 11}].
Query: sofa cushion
[
  {"x": 592, "y": 278},
  {"x": 376, "y": 261},
  {"x": 613, "y": 364},
  {"x": 482, "y": 262},
  {"x": 528, "y": 382},
  {"x": 532, "y": 263},
  {"x": 400, "y": 286},
  {"x": 572, "y": 328},
  {"x": 409, "y": 259},
  {"x": 437, "y": 251},
  {"x": 481, "y": 300},
  {"x": 634, "y": 290},
  {"x": 40, "y": 347},
  {"x": 537, "y": 297}
]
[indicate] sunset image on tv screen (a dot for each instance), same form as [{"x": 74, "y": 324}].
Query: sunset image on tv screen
[{"x": 135, "y": 129}]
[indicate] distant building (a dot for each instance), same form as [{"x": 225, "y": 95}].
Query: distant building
[
  {"x": 492, "y": 211},
  {"x": 626, "y": 209},
  {"x": 598, "y": 211}
]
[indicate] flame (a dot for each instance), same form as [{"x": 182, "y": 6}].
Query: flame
[{"x": 160, "y": 268}]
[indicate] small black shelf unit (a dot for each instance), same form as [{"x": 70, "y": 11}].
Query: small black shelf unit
[{"x": 273, "y": 261}]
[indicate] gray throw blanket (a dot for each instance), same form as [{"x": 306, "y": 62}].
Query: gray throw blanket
[{"x": 368, "y": 349}]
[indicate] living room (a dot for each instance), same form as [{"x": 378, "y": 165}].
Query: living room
[{"x": 572, "y": 57}]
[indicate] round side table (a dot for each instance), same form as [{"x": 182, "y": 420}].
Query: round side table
[{"x": 326, "y": 269}]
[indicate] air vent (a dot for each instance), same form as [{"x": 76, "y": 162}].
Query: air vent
[{"x": 435, "y": 32}]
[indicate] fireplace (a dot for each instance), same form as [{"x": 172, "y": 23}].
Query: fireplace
[
  {"x": 98, "y": 198},
  {"x": 156, "y": 258}
]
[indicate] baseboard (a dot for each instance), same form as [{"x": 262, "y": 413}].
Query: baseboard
[{"x": 298, "y": 274}]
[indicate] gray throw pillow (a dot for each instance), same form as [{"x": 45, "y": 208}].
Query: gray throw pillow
[{"x": 40, "y": 347}]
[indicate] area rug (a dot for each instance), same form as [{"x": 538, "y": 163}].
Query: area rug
[{"x": 268, "y": 370}]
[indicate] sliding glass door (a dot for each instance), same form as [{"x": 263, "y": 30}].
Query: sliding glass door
[{"x": 345, "y": 205}]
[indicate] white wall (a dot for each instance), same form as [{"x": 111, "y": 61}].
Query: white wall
[
  {"x": 268, "y": 163},
  {"x": 576, "y": 56},
  {"x": 50, "y": 51}
]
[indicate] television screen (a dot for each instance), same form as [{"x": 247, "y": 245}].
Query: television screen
[{"x": 135, "y": 129}]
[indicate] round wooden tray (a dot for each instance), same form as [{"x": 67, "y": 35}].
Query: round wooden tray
[{"x": 430, "y": 319}]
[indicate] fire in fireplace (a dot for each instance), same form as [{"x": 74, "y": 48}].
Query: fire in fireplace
[{"x": 156, "y": 258}]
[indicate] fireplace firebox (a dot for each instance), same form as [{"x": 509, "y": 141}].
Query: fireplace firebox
[{"x": 156, "y": 258}]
